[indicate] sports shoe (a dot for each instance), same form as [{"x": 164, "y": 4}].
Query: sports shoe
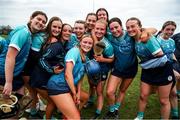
[
  {"x": 41, "y": 105},
  {"x": 37, "y": 115},
  {"x": 96, "y": 116},
  {"x": 52, "y": 118},
  {"x": 175, "y": 118},
  {"x": 110, "y": 115},
  {"x": 138, "y": 118},
  {"x": 88, "y": 104},
  {"x": 116, "y": 112}
]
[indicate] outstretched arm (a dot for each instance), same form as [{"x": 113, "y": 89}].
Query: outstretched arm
[{"x": 9, "y": 69}]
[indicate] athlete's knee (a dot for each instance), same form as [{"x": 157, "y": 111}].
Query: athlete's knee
[
  {"x": 144, "y": 97},
  {"x": 164, "y": 101},
  {"x": 109, "y": 92}
]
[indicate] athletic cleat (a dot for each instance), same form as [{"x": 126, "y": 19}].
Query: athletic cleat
[
  {"x": 110, "y": 115},
  {"x": 175, "y": 118},
  {"x": 96, "y": 116},
  {"x": 37, "y": 115},
  {"x": 116, "y": 112},
  {"x": 88, "y": 104},
  {"x": 138, "y": 118}
]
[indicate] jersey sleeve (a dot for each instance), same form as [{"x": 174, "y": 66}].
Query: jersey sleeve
[
  {"x": 153, "y": 45},
  {"x": 108, "y": 51},
  {"x": 19, "y": 38},
  {"x": 72, "y": 55}
]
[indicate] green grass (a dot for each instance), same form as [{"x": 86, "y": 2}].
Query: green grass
[{"x": 129, "y": 106}]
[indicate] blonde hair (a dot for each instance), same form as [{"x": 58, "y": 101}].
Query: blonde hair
[{"x": 83, "y": 57}]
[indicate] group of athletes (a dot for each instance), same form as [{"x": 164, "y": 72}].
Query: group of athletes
[{"x": 49, "y": 61}]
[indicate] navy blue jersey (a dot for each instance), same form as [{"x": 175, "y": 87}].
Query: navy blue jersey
[
  {"x": 176, "y": 39},
  {"x": 53, "y": 55}
]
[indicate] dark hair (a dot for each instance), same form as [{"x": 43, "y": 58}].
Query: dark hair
[
  {"x": 48, "y": 28},
  {"x": 168, "y": 23},
  {"x": 81, "y": 22},
  {"x": 91, "y": 14},
  {"x": 48, "y": 31},
  {"x": 63, "y": 27},
  {"x": 115, "y": 19},
  {"x": 103, "y": 9},
  {"x": 164, "y": 26},
  {"x": 138, "y": 21},
  {"x": 34, "y": 14}
]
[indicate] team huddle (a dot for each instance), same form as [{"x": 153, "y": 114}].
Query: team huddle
[{"x": 50, "y": 61}]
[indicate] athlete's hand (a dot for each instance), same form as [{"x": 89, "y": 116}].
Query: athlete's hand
[
  {"x": 99, "y": 58},
  {"x": 7, "y": 89},
  {"x": 58, "y": 69},
  {"x": 144, "y": 37},
  {"x": 177, "y": 75}
]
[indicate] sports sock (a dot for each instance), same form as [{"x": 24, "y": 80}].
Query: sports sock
[
  {"x": 117, "y": 106},
  {"x": 98, "y": 111},
  {"x": 174, "y": 112},
  {"x": 140, "y": 114},
  {"x": 111, "y": 108}
]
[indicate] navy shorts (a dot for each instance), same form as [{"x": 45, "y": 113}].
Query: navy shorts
[
  {"x": 59, "y": 89},
  {"x": 30, "y": 63},
  {"x": 158, "y": 76},
  {"x": 17, "y": 82},
  {"x": 104, "y": 76},
  {"x": 57, "y": 85},
  {"x": 39, "y": 78},
  {"x": 127, "y": 73}
]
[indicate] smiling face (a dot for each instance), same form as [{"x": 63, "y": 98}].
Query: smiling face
[
  {"x": 37, "y": 23},
  {"x": 91, "y": 21},
  {"x": 116, "y": 29},
  {"x": 102, "y": 15},
  {"x": 79, "y": 29},
  {"x": 86, "y": 44},
  {"x": 133, "y": 28},
  {"x": 66, "y": 32},
  {"x": 168, "y": 31},
  {"x": 56, "y": 28},
  {"x": 100, "y": 29}
]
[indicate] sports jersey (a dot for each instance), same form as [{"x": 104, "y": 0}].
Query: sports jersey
[
  {"x": 73, "y": 55},
  {"x": 38, "y": 40},
  {"x": 168, "y": 47},
  {"x": 124, "y": 51},
  {"x": 146, "y": 51},
  {"x": 20, "y": 39},
  {"x": 176, "y": 38},
  {"x": 52, "y": 56},
  {"x": 108, "y": 52}
]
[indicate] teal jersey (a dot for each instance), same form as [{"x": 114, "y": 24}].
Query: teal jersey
[
  {"x": 124, "y": 51},
  {"x": 38, "y": 40},
  {"x": 108, "y": 52},
  {"x": 73, "y": 55},
  {"x": 72, "y": 42},
  {"x": 168, "y": 47},
  {"x": 2, "y": 45},
  {"x": 146, "y": 51},
  {"x": 20, "y": 39}
]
